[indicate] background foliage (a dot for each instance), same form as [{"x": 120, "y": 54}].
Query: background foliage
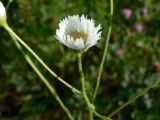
[{"x": 133, "y": 60}]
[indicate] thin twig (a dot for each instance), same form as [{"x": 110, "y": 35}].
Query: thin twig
[
  {"x": 104, "y": 53},
  {"x": 8, "y": 4},
  {"x": 142, "y": 92}
]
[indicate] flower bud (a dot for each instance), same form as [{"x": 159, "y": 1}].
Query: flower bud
[{"x": 3, "y": 16}]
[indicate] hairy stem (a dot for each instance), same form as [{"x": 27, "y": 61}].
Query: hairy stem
[
  {"x": 104, "y": 53},
  {"x": 40, "y": 60}
]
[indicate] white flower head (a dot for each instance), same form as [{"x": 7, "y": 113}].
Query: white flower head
[
  {"x": 78, "y": 33},
  {"x": 2, "y": 13}
]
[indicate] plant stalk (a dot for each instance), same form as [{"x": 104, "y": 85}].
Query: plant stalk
[
  {"x": 142, "y": 92},
  {"x": 40, "y": 60},
  {"x": 104, "y": 53},
  {"x": 89, "y": 105},
  {"x": 42, "y": 78}
]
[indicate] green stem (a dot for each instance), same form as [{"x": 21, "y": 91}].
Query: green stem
[
  {"x": 44, "y": 80},
  {"x": 104, "y": 53},
  {"x": 8, "y": 4},
  {"x": 89, "y": 105},
  {"x": 101, "y": 116},
  {"x": 91, "y": 115},
  {"x": 134, "y": 98},
  {"x": 51, "y": 89},
  {"x": 40, "y": 60}
]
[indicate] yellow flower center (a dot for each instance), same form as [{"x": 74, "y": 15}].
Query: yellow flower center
[{"x": 77, "y": 35}]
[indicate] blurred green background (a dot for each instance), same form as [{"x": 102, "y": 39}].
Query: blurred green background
[{"x": 133, "y": 60}]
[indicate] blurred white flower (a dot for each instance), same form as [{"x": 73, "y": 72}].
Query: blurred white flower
[
  {"x": 78, "y": 33},
  {"x": 2, "y": 10}
]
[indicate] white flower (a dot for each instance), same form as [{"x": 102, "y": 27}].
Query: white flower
[
  {"x": 78, "y": 32},
  {"x": 2, "y": 13}
]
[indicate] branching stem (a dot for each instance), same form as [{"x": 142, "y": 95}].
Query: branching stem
[
  {"x": 42, "y": 78},
  {"x": 40, "y": 60}
]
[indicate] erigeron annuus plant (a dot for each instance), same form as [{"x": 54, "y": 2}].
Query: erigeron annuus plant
[{"x": 79, "y": 33}]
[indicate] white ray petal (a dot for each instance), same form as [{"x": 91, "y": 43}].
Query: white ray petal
[{"x": 78, "y": 32}]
